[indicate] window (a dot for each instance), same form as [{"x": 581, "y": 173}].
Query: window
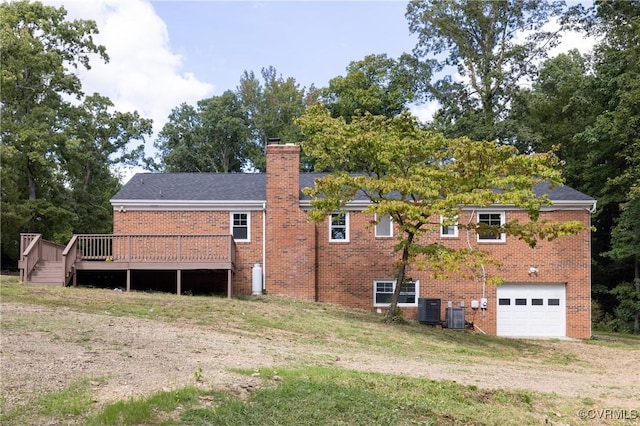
[
  {"x": 521, "y": 302},
  {"x": 339, "y": 227},
  {"x": 504, "y": 302},
  {"x": 450, "y": 230},
  {"x": 536, "y": 302},
  {"x": 383, "y": 292},
  {"x": 384, "y": 226},
  {"x": 490, "y": 219},
  {"x": 240, "y": 226},
  {"x": 553, "y": 302}
]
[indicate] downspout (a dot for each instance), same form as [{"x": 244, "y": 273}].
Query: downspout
[
  {"x": 264, "y": 247},
  {"x": 591, "y": 211}
]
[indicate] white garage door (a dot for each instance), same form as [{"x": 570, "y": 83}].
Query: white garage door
[{"x": 531, "y": 310}]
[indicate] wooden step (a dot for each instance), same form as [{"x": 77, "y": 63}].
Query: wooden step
[{"x": 47, "y": 272}]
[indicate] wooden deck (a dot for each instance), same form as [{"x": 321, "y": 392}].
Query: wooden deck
[{"x": 50, "y": 263}]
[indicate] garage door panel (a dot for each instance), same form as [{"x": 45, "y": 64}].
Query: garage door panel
[{"x": 531, "y": 310}]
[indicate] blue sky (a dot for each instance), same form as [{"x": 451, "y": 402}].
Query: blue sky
[
  {"x": 165, "y": 53},
  {"x": 310, "y": 41}
]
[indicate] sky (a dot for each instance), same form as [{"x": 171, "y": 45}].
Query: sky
[{"x": 165, "y": 53}]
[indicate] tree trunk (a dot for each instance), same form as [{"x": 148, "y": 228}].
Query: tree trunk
[
  {"x": 31, "y": 181},
  {"x": 87, "y": 179},
  {"x": 400, "y": 277},
  {"x": 636, "y": 322}
]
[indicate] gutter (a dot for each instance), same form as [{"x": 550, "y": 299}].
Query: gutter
[{"x": 186, "y": 205}]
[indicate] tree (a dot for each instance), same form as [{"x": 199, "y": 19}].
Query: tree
[
  {"x": 480, "y": 40},
  {"x": 38, "y": 48},
  {"x": 554, "y": 110},
  {"x": 614, "y": 141},
  {"x": 272, "y": 107},
  {"x": 56, "y": 146},
  {"x": 214, "y": 137},
  {"x": 98, "y": 138},
  {"x": 376, "y": 84},
  {"x": 415, "y": 176}
]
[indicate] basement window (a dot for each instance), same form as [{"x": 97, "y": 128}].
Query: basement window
[{"x": 383, "y": 292}]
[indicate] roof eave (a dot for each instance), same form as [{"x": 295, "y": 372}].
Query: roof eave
[
  {"x": 186, "y": 205},
  {"x": 589, "y": 205}
]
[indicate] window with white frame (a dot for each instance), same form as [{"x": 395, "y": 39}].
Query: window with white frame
[
  {"x": 339, "y": 227},
  {"x": 488, "y": 221},
  {"x": 240, "y": 223},
  {"x": 383, "y": 292},
  {"x": 449, "y": 228},
  {"x": 384, "y": 226}
]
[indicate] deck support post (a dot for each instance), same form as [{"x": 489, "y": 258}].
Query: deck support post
[
  {"x": 74, "y": 279},
  {"x": 178, "y": 282},
  {"x": 229, "y": 283},
  {"x": 128, "y": 280}
]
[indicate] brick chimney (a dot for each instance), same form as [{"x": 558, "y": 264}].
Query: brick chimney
[{"x": 290, "y": 236}]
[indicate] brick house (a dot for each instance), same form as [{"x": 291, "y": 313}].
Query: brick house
[{"x": 348, "y": 259}]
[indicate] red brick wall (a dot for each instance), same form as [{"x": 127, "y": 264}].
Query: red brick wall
[
  {"x": 290, "y": 266},
  {"x": 197, "y": 223},
  {"x": 346, "y": 271},
  {"x": 301, "y": 262}
]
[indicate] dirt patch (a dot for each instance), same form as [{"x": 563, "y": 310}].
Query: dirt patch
[{"x": 45, "y": 349}]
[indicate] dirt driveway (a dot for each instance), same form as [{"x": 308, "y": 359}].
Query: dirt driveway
[{"x": 46, "y": 349}]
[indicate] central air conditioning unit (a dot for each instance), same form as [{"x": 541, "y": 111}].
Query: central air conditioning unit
[
  {"x": 455, "y": 318},
  {"x": 429, "y": 311}
]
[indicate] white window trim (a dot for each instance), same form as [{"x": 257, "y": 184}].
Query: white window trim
[
  {"x": 382, "y": 305},
  {"x": 503, "y": 220},
  {"x": 390, "y": 235},
  {"x": 455, "y": 228},
  {"x": 346, "y": 225},
  {"x": 248, "y": 239}
]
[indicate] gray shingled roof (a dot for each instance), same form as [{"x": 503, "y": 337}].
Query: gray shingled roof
[
  {"x": 248, "y": 187},
  {"x": 194, "y": 186}
]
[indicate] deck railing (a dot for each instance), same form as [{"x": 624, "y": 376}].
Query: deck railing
[
  {"x": 155, "y": 248},
  {"x": 33, "y": 248},
  {"x": 69, "y": 256},
  {"x": 30, "y": 252}
]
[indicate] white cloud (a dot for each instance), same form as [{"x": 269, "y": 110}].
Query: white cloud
[
  {"x": 143, "y": 74},
  {"x": 425, "y": 112}
]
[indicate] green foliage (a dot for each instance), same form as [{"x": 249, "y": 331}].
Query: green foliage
[
  {"x": 479, "y": 40},
  {"x": 376, "y": 84},
  {"x": 322, "y": 396},
  {"x": 416, "y": 176},
  {"x": 197, "y": 375},
  {"x": 272, "y": 106},
  {"x": 590, "y": 107},
  {"x": 214, "y": 137},
  {"x": 147, "y": 410},
  {"x": 75, "y": 399},
  {"x": 56, "y": 153},
  {"x": 72, "y": 401}
]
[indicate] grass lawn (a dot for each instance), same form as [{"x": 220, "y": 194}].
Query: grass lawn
[{"x": 296, "y": 394}]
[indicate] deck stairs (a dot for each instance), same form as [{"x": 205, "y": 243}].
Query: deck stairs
[{"x": 47, "y": 272}]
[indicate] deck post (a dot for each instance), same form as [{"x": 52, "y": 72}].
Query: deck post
[
  {"x": 128, "y": 280},
  {"x": 178, "y": 281},
  {"x": 229, "y": 282},
  {"x": 75, "y": 279}
]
